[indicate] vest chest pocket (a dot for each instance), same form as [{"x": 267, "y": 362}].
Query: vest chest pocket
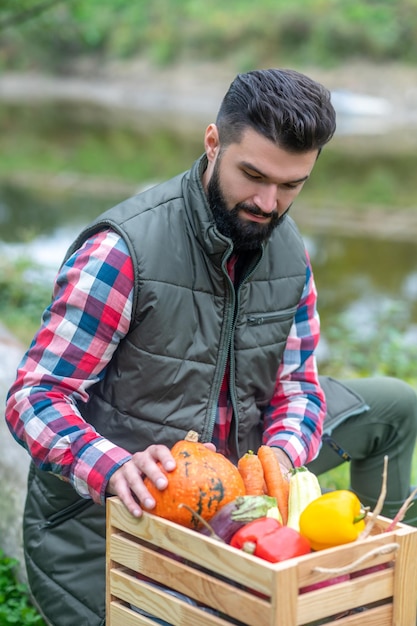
[{"x": 259, "y": 319}]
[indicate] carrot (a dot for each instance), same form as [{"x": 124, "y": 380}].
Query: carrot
[
  {"x": 277, "y": 485},
  {"x": 250, "y": 468}
]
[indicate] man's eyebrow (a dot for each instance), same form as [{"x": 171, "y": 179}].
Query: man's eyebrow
[{"x": 249, "y": 166}]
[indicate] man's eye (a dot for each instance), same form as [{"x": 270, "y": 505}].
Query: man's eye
[{"x": 252, "y": 176}]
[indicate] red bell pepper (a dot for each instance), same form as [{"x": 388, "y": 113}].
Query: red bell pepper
[{"x": 270, "y": 540}]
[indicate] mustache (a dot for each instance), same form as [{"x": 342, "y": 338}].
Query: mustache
[{"x": 255, "y": 210}]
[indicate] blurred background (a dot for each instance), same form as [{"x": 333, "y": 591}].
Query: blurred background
[{"x": 99, "y": 98}]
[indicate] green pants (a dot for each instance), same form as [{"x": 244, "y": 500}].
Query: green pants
[{"x": 388, "y": 428}]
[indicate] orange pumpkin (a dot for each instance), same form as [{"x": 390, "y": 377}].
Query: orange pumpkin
[{"x": 203, "y": 480}]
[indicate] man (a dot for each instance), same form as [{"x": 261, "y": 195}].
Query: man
[{"x": 191, "y": 306}]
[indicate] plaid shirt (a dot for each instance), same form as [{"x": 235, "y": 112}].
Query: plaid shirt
[{"x": 89, "y": 315}]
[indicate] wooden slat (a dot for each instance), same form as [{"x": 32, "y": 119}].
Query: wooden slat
[
  {"x": 343, "y": 556},
  {"x": 198, "y": 585},
  {"x": 219, "y": 557},
  {"x": 344, "y": 596},
  {"x": 378, "y": 616},
  {"x": 119, "y": 615},
  {"x": 160, "y": 604}
]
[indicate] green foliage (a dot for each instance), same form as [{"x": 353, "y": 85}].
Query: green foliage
[
  {"x": 21, "y": 299},
  {"x": 77, "y": 139},
  {"x": 384, "y": 179},
  {"x": 303, "y": 31},
  {"x": 382, "y": 349},
  {"x": 15, "y": 606}
]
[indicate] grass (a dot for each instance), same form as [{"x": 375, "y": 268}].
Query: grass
[{"x": 15, "y": 606}]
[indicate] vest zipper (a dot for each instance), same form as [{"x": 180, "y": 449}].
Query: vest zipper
[
  {"x": 258, "y": 319},
  {"x": 232, "y": 386},
  {"x": 225, "y": 349}
]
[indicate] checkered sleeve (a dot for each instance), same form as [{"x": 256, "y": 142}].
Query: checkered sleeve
[
  {"x": 88, "y": 316},
  {"x": 294, "y": 418}
]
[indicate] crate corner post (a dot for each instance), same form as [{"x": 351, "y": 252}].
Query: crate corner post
[
  {"x": 109, "y": 563},
  {"x": 285, "y": 597},
  {"x": 405, "y": 579}
]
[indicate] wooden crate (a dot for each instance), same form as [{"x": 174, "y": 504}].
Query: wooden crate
[{"x": 245, "y": 590}]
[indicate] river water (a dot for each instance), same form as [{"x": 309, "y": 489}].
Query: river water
[
  {"x": 360, "y": 278},
  {"x": 359, "y": 275}
]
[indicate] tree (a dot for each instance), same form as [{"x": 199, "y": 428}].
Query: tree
[{"x": 15, "y": 13}]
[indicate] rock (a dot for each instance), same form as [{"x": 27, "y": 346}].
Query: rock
[{"x": 14, "y": 460}]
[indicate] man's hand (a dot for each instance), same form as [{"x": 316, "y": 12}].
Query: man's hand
[
  {"x": 127, "y": 481},
  {"x": 284, "y": 461}
]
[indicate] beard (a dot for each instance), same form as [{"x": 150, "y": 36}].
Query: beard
[{"x": 246, "y": 235}]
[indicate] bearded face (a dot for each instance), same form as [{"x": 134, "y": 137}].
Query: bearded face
[{"x": 245, "y": 234}]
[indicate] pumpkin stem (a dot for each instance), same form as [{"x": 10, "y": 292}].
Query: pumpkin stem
[
  {"x": 213, "y": 534},
  {"x": 191, "y": 436}
]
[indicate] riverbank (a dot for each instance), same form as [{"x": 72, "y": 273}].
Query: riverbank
[
  {"x": 191, "y": 92},
  {"x": 185, "y": 98}
]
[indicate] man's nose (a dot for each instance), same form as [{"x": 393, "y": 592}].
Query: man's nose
[{"x": 266, "y": 198}]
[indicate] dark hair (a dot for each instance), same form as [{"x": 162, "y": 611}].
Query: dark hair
[{"x": 287, "y": 107}]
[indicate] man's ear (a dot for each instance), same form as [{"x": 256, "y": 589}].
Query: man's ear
[{"x": 211, "y": 142}]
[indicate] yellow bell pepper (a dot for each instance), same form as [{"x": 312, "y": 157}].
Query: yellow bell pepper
[{"x": 332, "y": 519}]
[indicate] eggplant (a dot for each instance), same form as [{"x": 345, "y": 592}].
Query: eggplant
[
  {"x": 232, "y": 516},
  {"x": 221, "y": 526}
]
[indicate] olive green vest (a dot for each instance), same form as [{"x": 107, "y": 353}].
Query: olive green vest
[{"x": 188, "y": 322}]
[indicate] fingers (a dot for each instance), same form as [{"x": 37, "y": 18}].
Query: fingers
[
  {"x": 127, "y": 482},
  {"x": 118, "y": 485},
  {"x": 148, "y": 463}
]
